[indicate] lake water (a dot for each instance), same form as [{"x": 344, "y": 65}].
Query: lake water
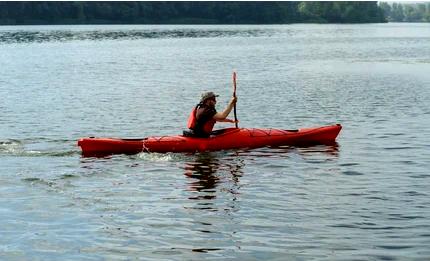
[{"x": 366, "y": 198}]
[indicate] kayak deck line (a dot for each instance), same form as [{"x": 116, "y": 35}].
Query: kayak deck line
[
  {"x": 268, "y": 132},
  {"x": 225, "y": 139}
]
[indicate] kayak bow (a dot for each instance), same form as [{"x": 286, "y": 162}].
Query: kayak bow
[{"x": 225, "y": 139}]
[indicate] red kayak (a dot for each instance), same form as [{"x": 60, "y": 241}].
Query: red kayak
[{"x": 225, "y": 139}]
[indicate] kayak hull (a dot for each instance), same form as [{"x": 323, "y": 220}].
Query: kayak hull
[{"x": 230, "y": 138}]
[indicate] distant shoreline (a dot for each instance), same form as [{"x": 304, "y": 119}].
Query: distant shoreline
[
  {"x": 29, "y": 24},
  {"x": 191, "y": 13}
]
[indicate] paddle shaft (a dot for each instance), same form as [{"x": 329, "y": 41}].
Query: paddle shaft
[{"x": 234, "y": 95}]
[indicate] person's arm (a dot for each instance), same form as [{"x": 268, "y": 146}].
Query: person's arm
[
  {"x": 220, "y": 116},
  {"x": 228, "y": 120}
]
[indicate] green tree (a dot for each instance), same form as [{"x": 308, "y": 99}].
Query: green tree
[
  {"x": 386, "y": 8},
  {"x": 397, "y": 12},
  {"x": 427, "y": 13}
]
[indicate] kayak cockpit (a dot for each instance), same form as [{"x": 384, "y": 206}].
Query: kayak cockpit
[{"x": 215, "y": 133}]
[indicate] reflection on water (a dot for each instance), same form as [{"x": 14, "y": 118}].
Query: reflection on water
[
  {"x": 10, "y": 37},
  {"x": 331, "y": 150},
  {"x": 328, "y": 151},
  {"x": 204, "y": 178},
  {"x": 213, "y": 184}
]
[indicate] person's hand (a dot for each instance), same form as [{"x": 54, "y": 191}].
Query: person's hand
[{"x": 233, "y": 100}]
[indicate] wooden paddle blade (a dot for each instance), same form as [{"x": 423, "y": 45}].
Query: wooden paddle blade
[
  {"x": 234, "y": 83},
  {"x": 234, "y": 95}
]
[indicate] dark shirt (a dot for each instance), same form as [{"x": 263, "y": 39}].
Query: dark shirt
[{"x": 204, "y": 114}]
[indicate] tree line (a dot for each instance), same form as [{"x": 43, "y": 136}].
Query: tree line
[
  {"x": 410, "y": 12},
  {"x": 13, "y": 13}
]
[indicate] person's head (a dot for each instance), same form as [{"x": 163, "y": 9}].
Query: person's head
[{"x": 209, "y": 98}]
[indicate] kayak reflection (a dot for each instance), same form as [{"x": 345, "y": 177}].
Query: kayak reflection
[
  {"x": 207, "y": 171},
  {"x": 327, "y": 151}
]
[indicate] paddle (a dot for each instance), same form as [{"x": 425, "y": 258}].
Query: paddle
[{"x": 234, "y": 95}]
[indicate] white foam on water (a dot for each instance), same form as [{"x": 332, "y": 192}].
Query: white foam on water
[
  {"x": 161, "y": 157},
  {"x": 11, "y": 147},
  {"x": 17, "y": 148},
  {"x": 158, "y": 157}
]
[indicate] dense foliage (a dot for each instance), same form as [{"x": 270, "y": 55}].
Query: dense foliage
[
  {"x": 188, "y": 12},
  {"x": 410, "y": 12}
]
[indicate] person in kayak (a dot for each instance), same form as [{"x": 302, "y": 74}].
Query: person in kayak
[{"x": 204, "y": 116}]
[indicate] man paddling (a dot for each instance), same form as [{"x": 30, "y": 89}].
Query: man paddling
[{"x": 204, "y": 116}]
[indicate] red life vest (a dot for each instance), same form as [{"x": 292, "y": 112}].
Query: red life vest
[
  {"x": 192, "y": 122},
  {"x": 192, "y": 119}
]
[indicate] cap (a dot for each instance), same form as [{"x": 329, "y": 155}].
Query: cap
[{"x": 207, "y": 95}]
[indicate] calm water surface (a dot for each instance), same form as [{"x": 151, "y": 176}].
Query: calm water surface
[{"x": 367, "y": 198}]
